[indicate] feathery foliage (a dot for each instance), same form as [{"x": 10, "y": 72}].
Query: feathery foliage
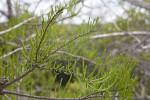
[{"x": 107, "y": 78}]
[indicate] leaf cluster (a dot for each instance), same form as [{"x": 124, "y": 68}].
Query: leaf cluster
[{"x": 108, "y": 78}]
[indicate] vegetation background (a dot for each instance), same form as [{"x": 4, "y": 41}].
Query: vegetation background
[{"x": 70, "y": 56}]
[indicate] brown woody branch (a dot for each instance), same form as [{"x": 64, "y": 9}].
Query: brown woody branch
[
  {"x": 49, "y": 98},
  {"x": 20, "y": 77}
]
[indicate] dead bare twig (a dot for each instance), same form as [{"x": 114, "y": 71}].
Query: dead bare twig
[
  {"x": 80, "y": 57},
  {"x": 16, "y": 26},
  {"x": 119, "y": 34},
  {"x": 12, "y": 52}
]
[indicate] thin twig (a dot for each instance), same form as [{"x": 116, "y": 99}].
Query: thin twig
[
  {"x": 80, "y": 57},
  {"x": 20, "y": 77},
  {"x": 16, "y": 26},
  {"x": 10, "y": 43},
  {"x": 7, "y": 97},
  {"x": 12, "y": 52},
  {"x": 33, "y": 35},
  {"x": 45, "y": 30},
  {"x": 119, "y": 34},
  {"x": 134, "y": 37},
  {"x": 49, "y": 98},
  {"x": 141, "y": 44},
  {"x": 2, "y": 12},
  {"x": 22, "y": 23},
  {"x": 38, "y": 97},
  {"x": 146, "y": 47},
  {"x": 94, "y": 37},
  {"x": 67, "y": 44}
]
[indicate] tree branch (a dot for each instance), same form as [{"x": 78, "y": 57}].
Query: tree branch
[
  {"x": 139, "y": 3},
  {"x": 119, "y": 34},
  {"x": 45, "y": 30},
  {"x": 37, "y": 97},
  {"x": 68, "y": 43},
  {"x": 20, "y": 77},
  {"x": 12, "y": 52},
  {"x": 16, "y": 26},
  {"x": 49, "y": 98},
  {"x": 3, "y": 13},
  {"x": 9, "y": 6},
  {"x": 80, "y": 57}
]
